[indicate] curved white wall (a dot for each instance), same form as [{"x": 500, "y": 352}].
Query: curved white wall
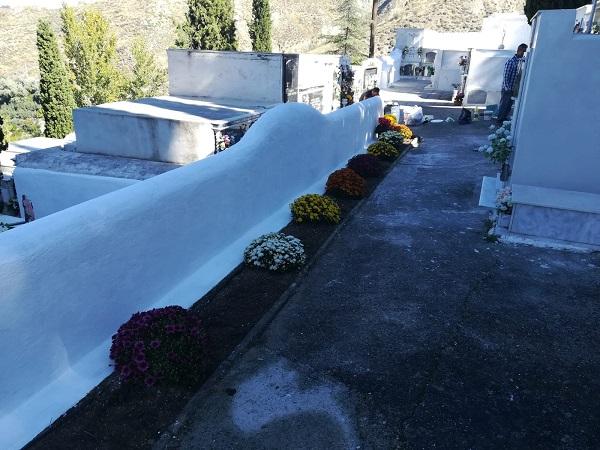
[{"x": 70, "y": 279}]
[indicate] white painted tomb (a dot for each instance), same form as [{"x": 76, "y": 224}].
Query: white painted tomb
[
  {"x": 55, "y": 179},
  {"x": 556, "y": 166},
  {"x": 485, "y": 76},
  {"x": 172, "y": 129},
  {"x": 212, "y": 94},
  {"x": 8, "y": 156},
  {"x": 263, "y": 78}
]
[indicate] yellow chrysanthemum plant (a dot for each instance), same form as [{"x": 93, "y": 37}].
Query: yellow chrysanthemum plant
[
  {"x": 315, "y": 208},
  {"x": 391, "y": 118},
  {"x": 383, "y": 150},
  {"x": 406, "y": 132}
]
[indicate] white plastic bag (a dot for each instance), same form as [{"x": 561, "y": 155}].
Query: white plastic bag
[
  {"x": 398, "y": 113},
  {"x": 413, "y": 115}
]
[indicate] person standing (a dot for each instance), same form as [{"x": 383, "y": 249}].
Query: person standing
[
  {"x": 366, "y": 95},
  {"x": 512, "y": 69},
  {"x": 374, "y": 92}
]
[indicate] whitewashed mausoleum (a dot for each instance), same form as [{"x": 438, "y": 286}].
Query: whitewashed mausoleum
[
  {"x": 431, "y": 55},
  {"x": 556, "y": 164}
]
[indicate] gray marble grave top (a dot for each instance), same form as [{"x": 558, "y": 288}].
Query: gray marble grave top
[
  {"x": 191, "y": 109},
  {"x": 58, "y": 160}
]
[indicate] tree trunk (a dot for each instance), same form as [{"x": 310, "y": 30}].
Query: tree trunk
[{"x": 373, "y": 22}]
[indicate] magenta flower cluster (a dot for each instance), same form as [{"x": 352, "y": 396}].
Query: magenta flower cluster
[{"x": 161, "y": 345}]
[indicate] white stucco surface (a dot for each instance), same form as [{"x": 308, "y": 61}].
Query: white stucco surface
[
  {"x": 557, "y": 137},
  {"x": 51, "y": 192},
  {"x": 226, "y": 75},
  {"x": 447, "y": 71},
  {"x": 498, "y": 31},
  {"x": 486, "y": 71},
  {"x": 508, "y": 29},
  {"x": 319, "y": 72},
  {"x": 168, "y": 129},
  {"x": 71, "y": 278}
]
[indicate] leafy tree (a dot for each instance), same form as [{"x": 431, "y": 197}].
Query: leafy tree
[
  {"x": 352, "y": 40},
  {"x": 208, "y": 25},
  {"x": 146, "y": 79},
  {"x": 20, "y": 109},
  {"x": 55, "y": 89},
  {"x": 260, "y": 29},
  {"x": 533, "y": 6},
  {"x": 91, "y": 49}
]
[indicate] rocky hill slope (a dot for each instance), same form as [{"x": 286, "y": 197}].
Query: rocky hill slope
[{"x": 298, "y": 24}]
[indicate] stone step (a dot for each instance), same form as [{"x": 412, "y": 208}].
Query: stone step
[{"x": 490, "y": 187}]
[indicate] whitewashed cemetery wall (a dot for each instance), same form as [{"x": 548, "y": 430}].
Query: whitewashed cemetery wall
[{"x": 70, "y": 279}]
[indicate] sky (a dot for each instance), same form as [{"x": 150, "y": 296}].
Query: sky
[{"x": 41, "y": 3}]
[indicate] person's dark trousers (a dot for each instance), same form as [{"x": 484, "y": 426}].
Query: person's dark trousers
[{"x": 504, "y": 106}]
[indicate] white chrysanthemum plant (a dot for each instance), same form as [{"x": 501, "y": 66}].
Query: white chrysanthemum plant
[
  {"x": 276, "y": 252},
  {"x": 500, "y": 143},
  {"x": 504, "y": 203}
]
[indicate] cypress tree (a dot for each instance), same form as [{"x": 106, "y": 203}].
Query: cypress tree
[
  {"x": 352, "y": 40},
  {"x": 533, "y": 6},
  {"x": 208, "y": 25},
  {"x": 55, "y": 89},
  {"x": 3, "y": 144},
  {"x": 260, "y": 29}
]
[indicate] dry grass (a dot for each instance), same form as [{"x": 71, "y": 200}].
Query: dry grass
[{"x": 298, "y": 24}]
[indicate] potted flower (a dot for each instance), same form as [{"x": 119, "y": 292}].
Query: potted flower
[{"x": 504, "y": 203}]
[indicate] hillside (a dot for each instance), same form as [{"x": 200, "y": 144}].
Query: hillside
[{"x": 298, "y": 25}]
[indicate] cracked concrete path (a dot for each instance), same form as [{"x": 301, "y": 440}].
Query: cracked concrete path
[{"x": 412, "y": 331}]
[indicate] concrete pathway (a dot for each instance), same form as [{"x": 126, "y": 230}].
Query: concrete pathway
[{"x": 414, "y": 332}]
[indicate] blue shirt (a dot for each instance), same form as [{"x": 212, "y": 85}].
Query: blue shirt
[{"x": 511, "y": 69}]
